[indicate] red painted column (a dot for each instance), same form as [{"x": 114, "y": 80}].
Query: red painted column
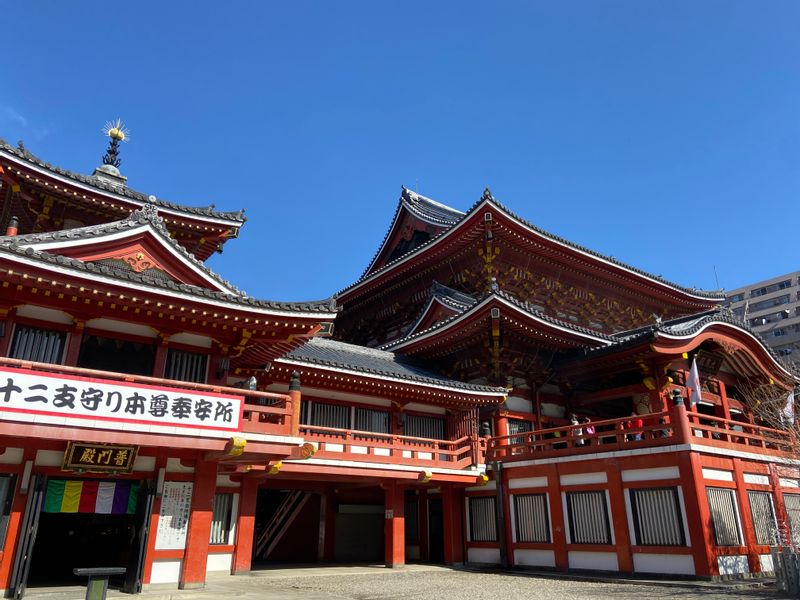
[
  {"x": 160, "y": 360},
  {"x": 784, "y": 532},
  {"x": 7, "y": 315},
  {"x": 193, "y": 569},
  {"x": 245, "y": 526},
  {"x": 74, "y": 344},
  {"x": 395, "y": 528},
  {"x": 619, "y": 516},
  {"x": 698, "y": 516},
  {"x": 723, "y": 395},
  {"x": 753, "y": 560},
  {"x": 14, "y": 531},
  {"x": 559, "y": 523},
  {"x": 453, "y": 525}
]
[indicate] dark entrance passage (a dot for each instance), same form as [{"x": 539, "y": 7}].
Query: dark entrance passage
[
  {"x": 435, "y": 531},
  {"x": 83, "y": 523},
  {"x": 67, "y": 541}
]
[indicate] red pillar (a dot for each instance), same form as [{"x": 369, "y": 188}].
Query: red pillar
[
  {"x": 160, "y": 360},
  {"x": 753, "y": 560},
  {"x": 619, "y": 516},
  {"x": 193, "y": 569},
  {"x": 557, "y": 515},
  {"x": 245, "y": 526},
  {"x": 453, "y": 525},
  {"x": 698, "y": 516},
  {"x": 784, "y": 533},
  {"x": 395, "y": 528},
  {"x": 74, "y": 344}
]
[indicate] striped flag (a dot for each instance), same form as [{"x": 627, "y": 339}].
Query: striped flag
[
  {"x": 693, "y": 383},
  {"x": 91, "y": 496}
]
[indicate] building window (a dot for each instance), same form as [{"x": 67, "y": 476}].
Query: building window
[
  {"x": 427, "y": 427},
  {"x": 186, "y": 366},
  {"x": 724, "y": 516},
  {"x": 323, "y": 414},
  {"x": 39, "y": 345},
  {"x": 792, "y": 504},
  {"x": 763, "y": 515},
  {"x": 657, "y": 517},
  {"x": 532, "y": 520},
  {"x": 482, "y": 524},
  {"x": 588, "y": 518},
  {"x": 221, "y": 519},
  {"x": 518, "y": 426},
  {"x": 117, "y": 356},
  {"x": 736, "y": 297},
  {"x": 369, "y": 419}
]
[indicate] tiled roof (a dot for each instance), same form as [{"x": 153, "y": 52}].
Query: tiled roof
[
  {"x": 236, "y": 218},
  {"x": 21, "y": 245},
  {"x": 522, "y": 306},
  {"x": 487, "y": 197},
  {"x": 686, "y": 326},
  {"x": 424, "y": 208},
  {"x": 380, "y": 363}
]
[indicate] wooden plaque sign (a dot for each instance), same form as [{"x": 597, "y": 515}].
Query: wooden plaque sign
[{"x": 99, "y": 458}]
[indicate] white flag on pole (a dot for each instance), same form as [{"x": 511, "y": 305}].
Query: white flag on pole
[
  {"x": 788, "y": 409},
  {"x": 693, "y": 383}
]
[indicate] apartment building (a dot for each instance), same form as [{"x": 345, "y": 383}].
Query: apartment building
[{"x": 772, "y": 308}]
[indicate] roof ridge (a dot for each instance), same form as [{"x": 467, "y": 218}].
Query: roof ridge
[{"x": 23, "y": 153}]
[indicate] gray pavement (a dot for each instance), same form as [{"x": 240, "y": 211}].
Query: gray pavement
[{"x": 427, "y": 582}]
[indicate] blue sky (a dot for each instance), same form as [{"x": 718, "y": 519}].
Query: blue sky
[{"x": 666, "y": 134}]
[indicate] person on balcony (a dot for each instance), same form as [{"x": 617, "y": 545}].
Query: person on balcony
[{"x": 635, "y": 423}]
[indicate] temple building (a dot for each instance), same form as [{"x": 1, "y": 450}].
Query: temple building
[{"x": 485, "y": 393}]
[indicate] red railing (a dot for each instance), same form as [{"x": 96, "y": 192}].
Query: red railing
[
  {"x": 369, "y": 446},
  {"x": 264, "y": 412},
  {"x": 676, "y": 426}
]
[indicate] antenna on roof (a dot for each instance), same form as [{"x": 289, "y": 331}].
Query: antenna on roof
[{"x": 715, "y": 277}]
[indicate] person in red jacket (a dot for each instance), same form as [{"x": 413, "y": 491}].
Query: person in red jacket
[{"x": 635, "y": 422}]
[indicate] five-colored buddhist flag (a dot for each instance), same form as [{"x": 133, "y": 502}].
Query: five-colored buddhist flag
[{"x": 90, "y": 496}]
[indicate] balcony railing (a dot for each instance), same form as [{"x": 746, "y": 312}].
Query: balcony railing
[
  {"x": 673, "y": 427},
  {"x": 264, "y": 412},
  {"x": 369, "y": 446}
]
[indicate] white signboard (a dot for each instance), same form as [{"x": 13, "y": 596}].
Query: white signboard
[
  {"x": 173, "y": 520},
  {"x": 23, "y": 391}
]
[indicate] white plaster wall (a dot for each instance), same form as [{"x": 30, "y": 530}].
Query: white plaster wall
[
  {"x": 12, "y": 456},
  {"x": 519, "y": 404},
  {"x": 717, "y": 474},
  {"x": 732, "y": 565},
  {"x": 756, "y": 478},
  {"x": 596, "y": 561},
  {"x": 490, "y": 485},
  {"x": 486, "y": 556},
  {"x": 49, "y": 458},
  {"x": 666, "y": 564},
  {"x": 219, "y": 562},
  {"x": 584, "y": 478},
  {"x": 650, "y": 474},
  {"x": 145, "y": 463},
  {"x": 174, "y": 466},
  {"x": 767, "y": 566},
  {"x": 527, "y": 482},
  {"x": 535, "y": 558},
  {"x": 166, "y": 571}
]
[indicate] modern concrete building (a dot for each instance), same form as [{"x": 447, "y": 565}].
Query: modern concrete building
[{"x": 772, "y": 309}]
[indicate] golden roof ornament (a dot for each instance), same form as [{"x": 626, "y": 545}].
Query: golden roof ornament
[{"x": 117, "y": 131}]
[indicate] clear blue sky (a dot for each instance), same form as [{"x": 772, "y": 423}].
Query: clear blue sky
[{"x": 666, "y": 134}]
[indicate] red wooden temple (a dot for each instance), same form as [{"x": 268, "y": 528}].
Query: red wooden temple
[{"x": 183, "y": 427}]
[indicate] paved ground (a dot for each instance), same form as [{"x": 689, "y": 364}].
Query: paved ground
[{"x": 418, "y": 582}]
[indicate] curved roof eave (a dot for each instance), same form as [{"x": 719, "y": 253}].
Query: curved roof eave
[
  {"x": 570, "y": 246},
  {"x": 119, "y": 193},
  {"x": 505, "y": 299}
]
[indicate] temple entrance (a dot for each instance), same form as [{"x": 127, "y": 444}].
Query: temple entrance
[
  {"x": 435, "y": 531},
  {"x": 76, "y": 523}
]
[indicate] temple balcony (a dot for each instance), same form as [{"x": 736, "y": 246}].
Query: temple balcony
[
  {"x": 676, "y": 428},
  {"x": 46, "y": 394},
  {"x": 368, "y": 446}
]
